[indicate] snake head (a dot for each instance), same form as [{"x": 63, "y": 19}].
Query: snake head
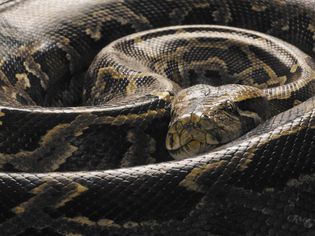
[{"x": 205, "y": 117}]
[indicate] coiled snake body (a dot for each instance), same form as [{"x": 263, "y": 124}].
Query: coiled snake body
[{"x": 63, "y": 129}]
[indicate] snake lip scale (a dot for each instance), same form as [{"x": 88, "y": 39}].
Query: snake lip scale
[{"x": 105, "y": 126}]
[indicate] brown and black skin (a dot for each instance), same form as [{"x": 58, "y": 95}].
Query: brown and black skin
[
  {"x": 265, "y": 69},
  {"x": 261, "y": 184}
]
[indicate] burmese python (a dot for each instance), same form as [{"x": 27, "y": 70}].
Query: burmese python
[{"x": 55, "y": 177}]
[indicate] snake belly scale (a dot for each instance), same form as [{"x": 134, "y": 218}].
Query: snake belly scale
[{"x": 84, "y": 153}]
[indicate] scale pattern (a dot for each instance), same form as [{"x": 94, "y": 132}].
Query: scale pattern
[{"x": 60, "y": 175}]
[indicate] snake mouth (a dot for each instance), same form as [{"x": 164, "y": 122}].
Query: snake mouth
[
  {"x": 190, "y": 149},
  {"x": 190, "y": 136}
]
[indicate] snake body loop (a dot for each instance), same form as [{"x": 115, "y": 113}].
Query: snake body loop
[
  {"x": 203, "y": 116},
  {"x": 86, "y": 105}
]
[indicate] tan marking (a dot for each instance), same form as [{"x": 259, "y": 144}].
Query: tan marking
[
  {"x": 296, "y": 102},
  {"x": 211, "y": 60},
  {"x": 131, "y": 136},
  {"x": 106, "y": 222},
  {"x": 20, "y": 209},
  {"x": 165, "y": 96},
  {"x": 120, "y": 120},
  {"x": 94, "y": 33},
  {"x": 111, "y": 71},
  {"x": 34, "y": 68},
  {"x": 138, "y": 40},
  {"x": 1, "y": 115},
  {"x": 258, "y": 7},
  {"x": 100, "y": 84},
  {"x": 131, "y": 224},
  {"x": 282, "y": 80},
  {"x": 2, "y": 61},
  {"x": 10, "y": 91},
  {"x": 269, "y": 190},
  {"x": 40, "y": 189},
  {"x": 131, "y": 87},
  {"x": 26, "y": 52},
  {"x": 195, "y": 118},
  {"x": 311, "y": 28},
  {"x": 190, "y": 181},
  {"x": 285, "y": 27},
  {"x": 64, "y": 40},
  {"x": 82, "y": 220},
  {"x": 23, "y": 81},
  {"x": 202, "y": 5},
  {"x": 76, "y": 192},
  {"x": 280, "y": 2},
  {"x": 294, "y": 68},
  {"x": 68, "y": 148},
  {"x": 244, "y": 163},
  {"x": 132, "y": 117}
]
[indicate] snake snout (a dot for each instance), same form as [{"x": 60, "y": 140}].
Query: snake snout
[{"x": 190, "y": 135}]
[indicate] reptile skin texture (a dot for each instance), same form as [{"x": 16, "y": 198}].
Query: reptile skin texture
[{"x": 70, "y": 166}]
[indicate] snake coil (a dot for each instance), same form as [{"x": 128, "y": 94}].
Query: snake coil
[{"x": 95, "y": 163}]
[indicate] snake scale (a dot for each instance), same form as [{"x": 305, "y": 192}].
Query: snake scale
[{"x": 78, "y": 158}]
